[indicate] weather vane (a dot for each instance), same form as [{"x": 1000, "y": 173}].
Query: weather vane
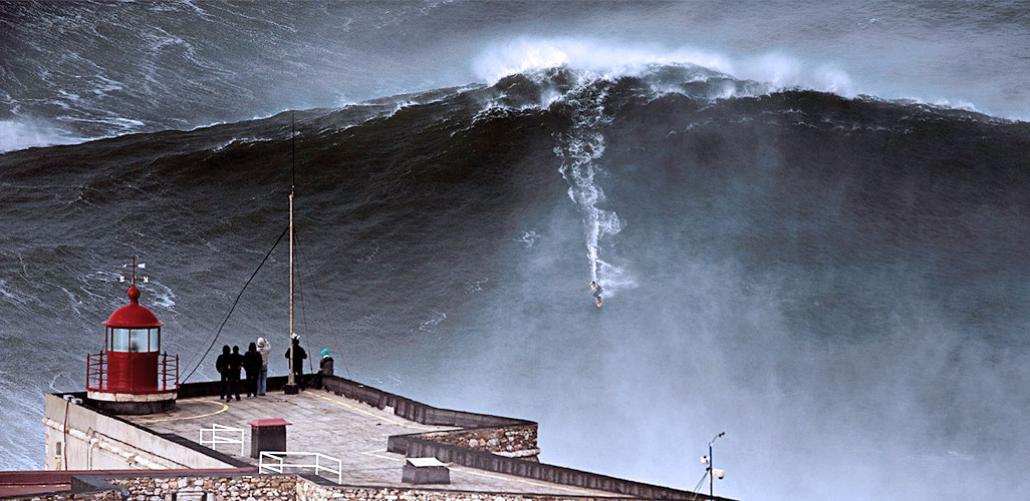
[{"x": 133, "y": 279}]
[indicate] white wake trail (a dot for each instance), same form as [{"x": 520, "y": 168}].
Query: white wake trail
[{"x": 579, "y": 150}]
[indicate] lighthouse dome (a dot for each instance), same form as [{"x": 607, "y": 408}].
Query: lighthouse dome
[{"x": 132, "y": 315}]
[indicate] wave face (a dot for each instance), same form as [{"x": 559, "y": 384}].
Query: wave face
[
  {"x": 97, "y": 68},
  {"x": 837, "y": 283}
]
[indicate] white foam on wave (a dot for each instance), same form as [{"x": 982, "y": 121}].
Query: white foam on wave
[
  {"x": 239, "y": 141},
  {"x": 161, "y": 295},
  {"x": 475, "y": 286},
  {"x": 20, "y": 134},
  {"x": 430, "y": 324},
  {"x": 612, "y": 59},
  {"x": 127, "y": 125},
  {"x": 579, "y": 149},
  {"x": 528, "y": 238},
  {"x": 11, "y": 296}
]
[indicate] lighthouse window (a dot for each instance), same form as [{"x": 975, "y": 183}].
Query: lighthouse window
[
  {"x": 155, "y": 339},
  {"x": 120, "y": 340},
  {"x": 138, "y": 340}
]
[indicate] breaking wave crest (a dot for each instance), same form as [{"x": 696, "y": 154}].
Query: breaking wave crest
[{"x": 777, "y": 71}]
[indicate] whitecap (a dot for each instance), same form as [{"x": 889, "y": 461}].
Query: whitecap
[
  {"x": 529, "y": 238},
  {"x": 611, "y": 60},
  {"x": 430, "y": 324}
]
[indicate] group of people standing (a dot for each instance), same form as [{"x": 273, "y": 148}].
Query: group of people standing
[{"x": 255, "y": 364}]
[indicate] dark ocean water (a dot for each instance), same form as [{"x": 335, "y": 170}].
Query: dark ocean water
[{"x": 836, "y": 280}]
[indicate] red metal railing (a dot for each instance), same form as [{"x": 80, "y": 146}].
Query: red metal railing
[
  {"x": 169, "y": 372},
  {"x": 97, "y": 372}
]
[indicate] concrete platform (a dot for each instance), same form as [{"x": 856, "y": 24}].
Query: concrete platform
[{"x": 346, "y": 429}]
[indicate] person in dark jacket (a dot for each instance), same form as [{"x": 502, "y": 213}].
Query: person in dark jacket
[
  {"x": 222, "y": 365},
  {"x": 299, "y": 355},
  {"x": 252, "y": 365},
  {"x": 235, "y": 364}
]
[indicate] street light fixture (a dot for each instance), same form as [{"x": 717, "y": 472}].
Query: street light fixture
[{"x": 711, "y": 471}]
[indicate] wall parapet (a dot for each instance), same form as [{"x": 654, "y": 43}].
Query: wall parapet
[
  {"x": 484, "y": 432},
  {"x": 413, "y": 410},
  {"x": 509, "y": 441}
]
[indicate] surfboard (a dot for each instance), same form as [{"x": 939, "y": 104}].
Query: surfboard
[{"x": 599, "y": 302}]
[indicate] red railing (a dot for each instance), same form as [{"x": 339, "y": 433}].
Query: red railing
[
  {"x": 169, "y": 372},
  {"x": 97, "y": 372}
]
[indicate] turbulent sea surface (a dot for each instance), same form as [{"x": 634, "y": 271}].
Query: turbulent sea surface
[{"x": 836, "y": 280}]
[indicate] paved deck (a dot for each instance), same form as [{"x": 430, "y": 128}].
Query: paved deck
[{"x": 346, "y": 429}]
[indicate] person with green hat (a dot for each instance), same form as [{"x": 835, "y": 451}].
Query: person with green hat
[{"x": 325, "y": 367}]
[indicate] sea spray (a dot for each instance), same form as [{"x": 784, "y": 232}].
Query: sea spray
[{"x": 27, "y": 133}]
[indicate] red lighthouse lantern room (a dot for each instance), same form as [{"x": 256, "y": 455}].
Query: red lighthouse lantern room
[{"x": 131, "y": 375}]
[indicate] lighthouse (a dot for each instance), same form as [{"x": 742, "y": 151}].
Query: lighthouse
[{"x": 131, "y": 375}]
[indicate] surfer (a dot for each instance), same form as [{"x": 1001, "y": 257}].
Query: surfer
[{"x": 595, "y": 290}]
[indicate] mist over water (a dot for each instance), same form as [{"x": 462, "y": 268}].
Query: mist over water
[{"x": 790, "y": 254}]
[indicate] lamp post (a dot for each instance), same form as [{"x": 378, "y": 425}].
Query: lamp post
[{"x": 710, "y": 461}]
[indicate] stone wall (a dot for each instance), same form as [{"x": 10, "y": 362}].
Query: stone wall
[
  {"x": 280, "y": 488},
  {"x": 107, "y": 495},
  {"x": 225, "y": 488},
  {"x": 510, "y": 441},
  {"x": 310, "y": 491}
]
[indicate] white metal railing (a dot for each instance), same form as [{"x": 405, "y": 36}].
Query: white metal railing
[
  {"x": 222, "y": 435},
  {"x": 276, "y": 462}
]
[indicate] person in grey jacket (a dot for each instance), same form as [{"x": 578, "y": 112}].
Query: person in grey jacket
[{"x": 264, "y": 348}]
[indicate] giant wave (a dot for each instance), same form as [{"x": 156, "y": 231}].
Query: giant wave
[{"x": 782, "y": 259}]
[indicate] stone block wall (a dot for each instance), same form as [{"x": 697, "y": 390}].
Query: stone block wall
[
  {"x": 226, "y": 488},
  {"x": 510, "y": 441},
  {"x": 310, "y": 491},
  {"x": 107, "y": 495},
  {"x": 280, "y": 488}
]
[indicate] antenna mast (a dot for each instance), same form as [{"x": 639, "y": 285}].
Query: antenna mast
[
  {"x": 291, "y": 383},
  {"x": 293, "y": 152}
]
